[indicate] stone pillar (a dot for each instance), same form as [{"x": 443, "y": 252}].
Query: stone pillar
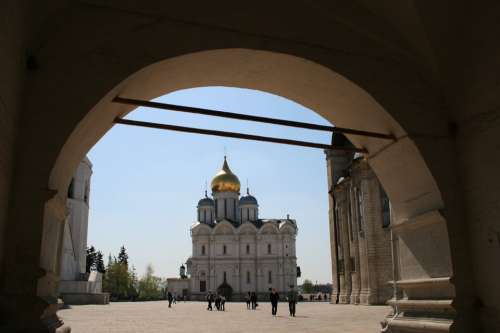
[
  {"x": 344, "y": 256},
  {"x": 331, "y": 222},
  {"x": 28, "y": 297},
  {"x": 354, "y": 247}
]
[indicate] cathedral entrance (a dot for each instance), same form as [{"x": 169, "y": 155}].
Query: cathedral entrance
[{"x": 226, "y": 290}]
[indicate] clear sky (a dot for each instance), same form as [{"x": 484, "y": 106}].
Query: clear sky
[{"x": 146, "y": 182}]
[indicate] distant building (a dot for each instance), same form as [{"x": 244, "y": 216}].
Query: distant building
[
  {"x": 360, "y": 234},
  {"x": 76, "y": 285},
  {"x": 235, "y": 251}
]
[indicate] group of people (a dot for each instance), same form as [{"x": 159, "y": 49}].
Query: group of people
[
  {"x": 292, "y": 298},
  {"x": 251, "y": 301},
  {"x": 218, "y": 299}
]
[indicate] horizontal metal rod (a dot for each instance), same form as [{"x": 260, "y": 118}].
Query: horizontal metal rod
[
  {"x": 232, "y": 115},
  {"x": 236, "y": 135}
]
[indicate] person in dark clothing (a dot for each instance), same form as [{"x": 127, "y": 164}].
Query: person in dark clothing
[
  {"x": 210, "y": 299},
  {"x": 222, "y": 303},
  {"x": 169, "y": 298},
  {"x": 292, "y": 297},
  {"x": 217, "y": 302},
  {"x": 247, "y": 300},
  {"x": 274, "y": 298},
  {"x": 253, "y": 300}
]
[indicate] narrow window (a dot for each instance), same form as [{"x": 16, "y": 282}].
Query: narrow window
[
  {"x": 87, "y": 192},
  {"x": 248, "y": 277},
  {"x": 248, "y": 248},
  {"x": 337, "y": 231},
  {"x": 386, "y": 209},
  {"x": 268, "y": 248},
  {"x": 359, "y": 197},
  {"x": 71, "y": 189},
  {"x": 225, "y": 207},
  {"x": 204, "y": 215},
  {"x": 216, "y": 209},
  {"x": 199, "y": 215},
  {"x": 203, "y": 250},
  {"x": 269, "y": 277},
  {"x": 203, "y": 286},
  {"x": 224, "y": 249},
  {"x": 225, "y": 276},
  {"x": 234, "y": 209},
  {"x": 248, "y": 214}
]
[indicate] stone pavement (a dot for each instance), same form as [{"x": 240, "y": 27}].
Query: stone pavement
[{"x": 193, "y": 317}]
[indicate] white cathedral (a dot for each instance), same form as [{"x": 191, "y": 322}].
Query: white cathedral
[{"x": 234, "y": 251}]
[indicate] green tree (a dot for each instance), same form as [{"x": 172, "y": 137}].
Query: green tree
[
  {"x": 91, "y": 259},
  {"x": 150, "y": 286},
  {"x": 99, "y": 264},
  {"x": 123, "y": 256},
  {"x": 307, "y": 286}
]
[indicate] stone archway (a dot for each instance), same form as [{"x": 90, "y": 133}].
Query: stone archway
[
  {"x": 415, "y": 196},
  {"x": 399, "y": 165}
]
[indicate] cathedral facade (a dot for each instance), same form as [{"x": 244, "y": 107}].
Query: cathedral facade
[{"x": 235, "y": 251}]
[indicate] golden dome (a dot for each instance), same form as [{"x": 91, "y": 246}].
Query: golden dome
[{"x": 225, "y": 180}]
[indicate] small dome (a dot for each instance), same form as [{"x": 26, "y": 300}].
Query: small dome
[
  {"x": 206, "y": 201},
  {"x": 248, "y": 199},
  {"x": 225, "y": 180}
]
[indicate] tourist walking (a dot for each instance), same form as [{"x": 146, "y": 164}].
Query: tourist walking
[
  {"x": 209, "y": 300},
  {"x": 217, "y": 302},
  {"x": 292, "y": 297},
  {"x": 274, "y": 298},
  {"x": 175, "y": 298},
  {"x": 169, "y": 298},
  {"x": 222, "y": 303},
  {"x": 247, "y": 300},
  {"x": 253, "y": 300}
]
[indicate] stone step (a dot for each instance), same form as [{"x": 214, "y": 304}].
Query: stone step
[
  {"x": 418, "y": 325},
  {"x": 428, "y": 305}
]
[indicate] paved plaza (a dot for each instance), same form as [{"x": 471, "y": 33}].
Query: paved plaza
[{"x": 193, "y": 317}]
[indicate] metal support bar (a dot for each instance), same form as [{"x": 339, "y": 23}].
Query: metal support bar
[
  {"x": 235, "y": 135},
  {"x": 267, "y": 120}
]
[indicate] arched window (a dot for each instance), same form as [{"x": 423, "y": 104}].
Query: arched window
[
  {"x": 224, "y": 249},
  {"x": 203, "y": 250},
  {"x": 248, "y": 277},
  {"x": 216, "y": 209},
  {"x": 225, "y": 277},
  {"x": 268, "y": 248},
  {"x": 248, "y": 248},
  {"x": 269, "y": 277}
]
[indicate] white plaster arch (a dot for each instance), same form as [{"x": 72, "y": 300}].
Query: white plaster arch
[
  {"x": 247, "y": 226},
  {"x": 399, "y": 165},
  {"x": 223, "y": 225},
  {"x": 201, "y": 229},
  {"x": 287, "y": 227},
  {"x": 269, "y": 227}
]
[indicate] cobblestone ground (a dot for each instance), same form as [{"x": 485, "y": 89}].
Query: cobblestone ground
[{"x": 193, "y": 317}]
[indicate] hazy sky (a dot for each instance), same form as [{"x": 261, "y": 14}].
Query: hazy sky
[{"x": 146, "y": 183}]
